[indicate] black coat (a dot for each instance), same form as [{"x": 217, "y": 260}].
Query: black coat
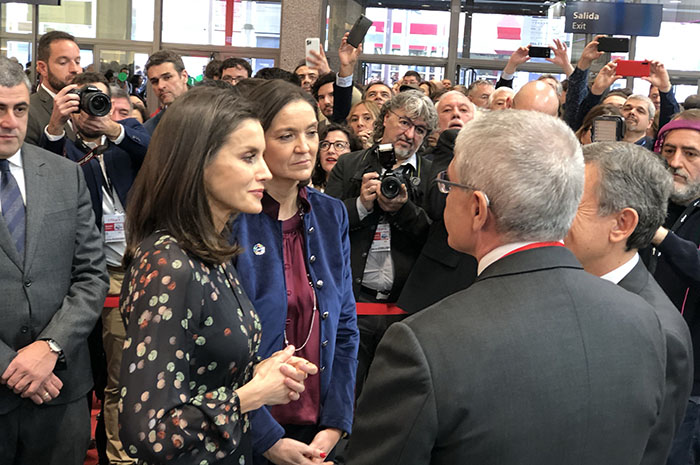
[
  {"x": 409, "y": 225},
  {"x": 440, "y": 270}
]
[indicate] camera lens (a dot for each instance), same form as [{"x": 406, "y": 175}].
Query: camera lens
[
  {"x": 98, "y": 104},
  {"x": 390, "y": 187}
]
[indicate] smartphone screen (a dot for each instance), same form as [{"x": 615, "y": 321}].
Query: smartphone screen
[{"x": 606, "y": 130}]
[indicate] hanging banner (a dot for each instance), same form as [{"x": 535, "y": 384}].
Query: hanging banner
[{"x": 634, "y": 19}]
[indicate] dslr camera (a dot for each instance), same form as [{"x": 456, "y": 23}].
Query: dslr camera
[
  {"x": 93, "y": 101},
  {"x": 392, "y": 179}
]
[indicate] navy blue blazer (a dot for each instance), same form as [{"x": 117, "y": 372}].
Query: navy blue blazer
[
  {"x": 261, "y": 273},
  {"x": 122, "y": 162}
]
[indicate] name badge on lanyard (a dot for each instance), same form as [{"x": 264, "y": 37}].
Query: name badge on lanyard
[
  {"x": 382, "y": 238},
  {"x": 113, "y": 227}
]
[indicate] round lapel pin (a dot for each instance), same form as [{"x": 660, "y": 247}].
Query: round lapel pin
[{"x": 258, "y": 249}]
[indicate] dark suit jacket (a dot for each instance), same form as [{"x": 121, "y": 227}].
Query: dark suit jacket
[
  {"x": 122, "y": 162},
  {"x": 679, "y": 362},
  {"x": 409, "y": 225},
  {"x": 537, "y": 362},
  {"x": 57, "y": 292},
  {"x": 40, "y": 109},
  {"x": 153, "y": 121},
  {"x": 439, "y": 270}
]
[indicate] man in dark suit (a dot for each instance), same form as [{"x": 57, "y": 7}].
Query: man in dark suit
[
  {"x": 111, "y": 155},
  {"x": 623, "y": 204},
  {"x": 386, "y": 234},
  {"x": 58, "y": 63},
  {"x": 53, "y": 283},
  {"x": 168, "y": 77},
  {"x": 537, "y": 362}
]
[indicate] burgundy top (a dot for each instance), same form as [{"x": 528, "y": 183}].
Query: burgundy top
[{"x": 300, "y": 313}]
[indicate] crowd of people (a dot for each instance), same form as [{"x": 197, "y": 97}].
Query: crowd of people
[{"x": 288, "y": 267}]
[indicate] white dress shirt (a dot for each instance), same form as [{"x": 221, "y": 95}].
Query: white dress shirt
[{"x": 618, "y": 274}]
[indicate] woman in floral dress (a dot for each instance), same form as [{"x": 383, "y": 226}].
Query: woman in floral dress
[{"x": 188, "y": 375}]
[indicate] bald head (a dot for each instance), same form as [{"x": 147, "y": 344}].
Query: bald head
[{"x": 537, "y": 96}]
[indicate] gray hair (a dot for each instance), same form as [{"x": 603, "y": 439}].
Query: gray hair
[
  {"x": 117, "y": 92},
  {"x": 501, "y": 90},
  {"x": 631, "y": 176},
  {"x": 12, "y": 74},
  {"x": 650, "y": 105},
  {"x": 414, "y": 103},
  {"x": 530, "y": 166},
  {"x": 558, "y": 88}
]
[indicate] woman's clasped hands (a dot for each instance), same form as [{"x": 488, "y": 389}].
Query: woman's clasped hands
[{"x": 278, "y": 379}]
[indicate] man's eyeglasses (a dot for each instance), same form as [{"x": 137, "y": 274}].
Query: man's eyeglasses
[
  {"x": 405, "y": 124},
  {"x": 444, "y": 184},
  {"x": 339, "y": 145}
]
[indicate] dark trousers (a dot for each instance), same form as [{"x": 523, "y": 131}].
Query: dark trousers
[
  {"x": 45, "y": 435},
  {"x": 372, "y": 329}
]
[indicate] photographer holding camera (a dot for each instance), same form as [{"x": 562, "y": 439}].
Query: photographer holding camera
[
  {"x": 382, "y": 188},
  {"x": 111, "y": 154}
]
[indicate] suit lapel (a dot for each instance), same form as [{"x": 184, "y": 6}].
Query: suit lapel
[
  {"x": 34, "y": 176},
  {"x": 47, "y": 103}
]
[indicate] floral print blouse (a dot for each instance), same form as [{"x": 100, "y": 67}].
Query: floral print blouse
[{"x": 192, "y": 335}]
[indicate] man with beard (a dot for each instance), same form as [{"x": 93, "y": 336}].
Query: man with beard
[
  {"x": 386, "y": 234},
  {"x": 675, "y": 260},
  {"x": 58, "y": 63},
  {"x": 110, "y": 154}
]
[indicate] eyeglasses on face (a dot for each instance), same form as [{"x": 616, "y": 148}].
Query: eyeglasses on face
[
  {"x": 405, "y": 124},
  {"x": 444, "y": 185},
  {"x": 339, "y": 145}
]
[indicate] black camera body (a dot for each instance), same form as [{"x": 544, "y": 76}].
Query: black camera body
[
  {"x": 392, "y": 179},
  {"x": 93, "y": 101}
]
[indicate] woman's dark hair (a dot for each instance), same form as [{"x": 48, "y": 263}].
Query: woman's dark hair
[
  {"x": 432, "y": 88},
  {"x": 169, "y": 192},
  {"x": 272, "y": 96},
  {"x": 319, "y": 176},
  {"x": 598, "y": 110}
]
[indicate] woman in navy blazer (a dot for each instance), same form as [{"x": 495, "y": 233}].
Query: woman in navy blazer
[{"x": 297, "y": 260}]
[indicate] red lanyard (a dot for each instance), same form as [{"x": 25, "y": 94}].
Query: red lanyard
[{"x": 534, "y": 245}]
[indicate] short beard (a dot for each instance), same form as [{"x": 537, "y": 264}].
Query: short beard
[
  {"x": 685, "y": 195},
  {"x": 54, "y": 82},
  {"x": 402, "y": 154}
]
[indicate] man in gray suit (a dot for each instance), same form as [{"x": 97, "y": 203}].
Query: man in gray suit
[
  {"x": 53, "y": 282},
  {"x": 537, "y": 362},
  {"x": 58, "y": 63},
  {"x": 624, "y": 202}
]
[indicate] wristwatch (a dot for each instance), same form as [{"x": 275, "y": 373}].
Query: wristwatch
[{"x": 54, "y": 347}]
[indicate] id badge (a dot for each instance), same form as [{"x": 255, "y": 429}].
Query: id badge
[
  {"x": 114, "y": 227},
  {"x": 382, "y": 238}
]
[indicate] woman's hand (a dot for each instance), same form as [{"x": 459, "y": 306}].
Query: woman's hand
[
  {"x": 276, "y": 380},
  {"x": 289, "y": 451},
  {"x": 326, "y": 439}
]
